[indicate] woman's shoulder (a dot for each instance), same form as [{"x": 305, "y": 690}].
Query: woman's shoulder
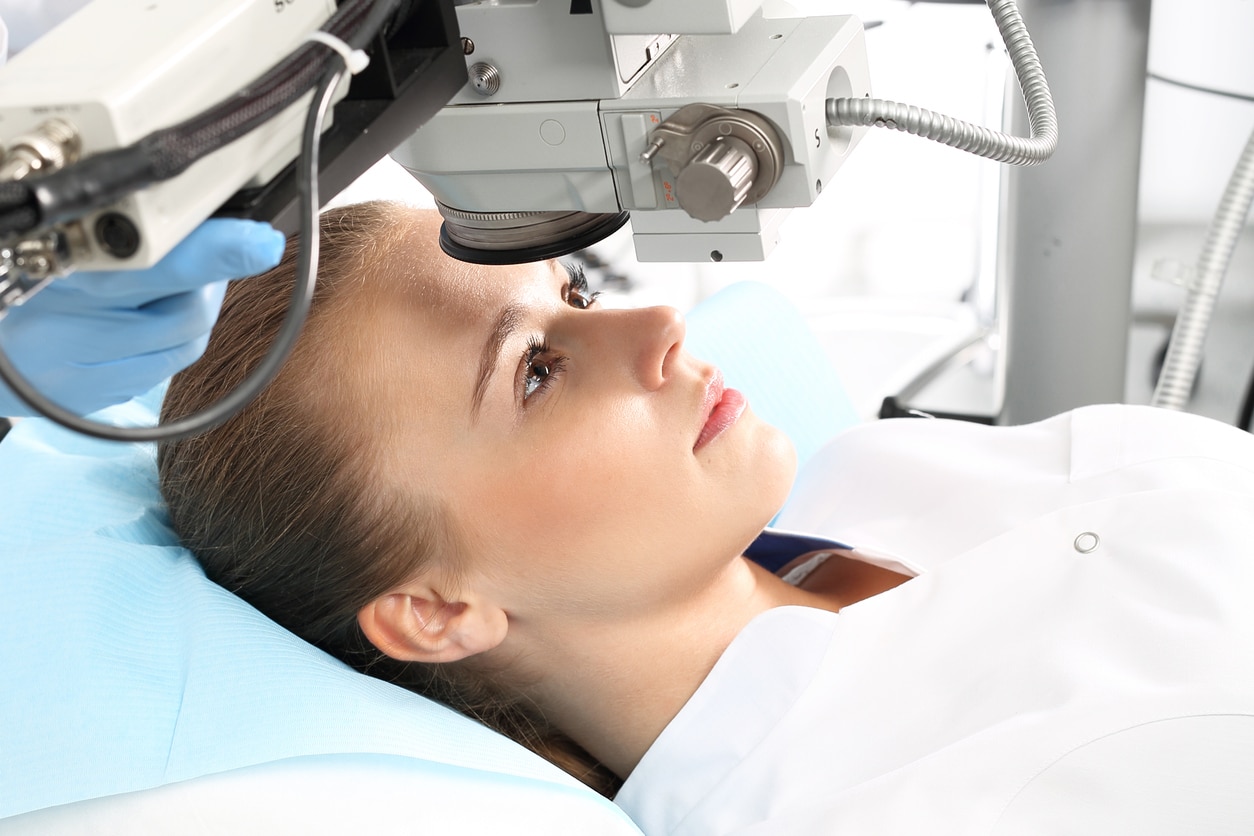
[
  {"x": 905, "y": 468},
  {"x": 1118, "y": 436},
  {"x": 926, "y": 488},
  {"x": 1071, "y": 446}
]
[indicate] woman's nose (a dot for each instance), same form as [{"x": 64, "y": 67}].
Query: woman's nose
[{"x": 650, "y": 340}]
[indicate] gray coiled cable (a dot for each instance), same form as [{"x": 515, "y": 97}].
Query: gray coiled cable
[
  {"x": 965, "y": 136},
  {"x": 1184, "y": 352}
]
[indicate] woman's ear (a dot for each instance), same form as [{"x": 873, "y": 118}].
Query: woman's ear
[{"x": 416, "y": 624}]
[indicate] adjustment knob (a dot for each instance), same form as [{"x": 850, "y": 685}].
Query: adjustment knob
[{"x": 717, "y": 179}]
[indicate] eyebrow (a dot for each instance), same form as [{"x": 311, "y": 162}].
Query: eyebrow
[{"x": 507, "y": 323}]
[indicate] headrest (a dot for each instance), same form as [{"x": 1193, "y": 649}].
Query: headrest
[
  {"x": 125, "y": 668},
  {"x": 767, "y": 350}
]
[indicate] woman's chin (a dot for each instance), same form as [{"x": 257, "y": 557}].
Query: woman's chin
[{"x": 778, "y": 467}]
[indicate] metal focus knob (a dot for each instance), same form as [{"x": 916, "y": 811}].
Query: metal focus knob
[{"x": 717, "y": 179}]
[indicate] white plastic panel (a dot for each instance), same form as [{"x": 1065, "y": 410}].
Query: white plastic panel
[
  {"x": 688, "y": 17},
  {"x": 1205, "y": 43},
  {"x": 513, "y": 157}
]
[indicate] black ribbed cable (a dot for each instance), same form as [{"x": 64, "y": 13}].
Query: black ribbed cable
[
  {"x": 107, "y": 177},
  {"x": 284, "y": 342},
  {"x": 327, "y": 79}
]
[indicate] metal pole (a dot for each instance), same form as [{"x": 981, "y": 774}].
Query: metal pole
[{"x": 1068, "y": 227}]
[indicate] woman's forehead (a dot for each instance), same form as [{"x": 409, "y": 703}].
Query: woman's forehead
[{"x": 420, "y": 271}]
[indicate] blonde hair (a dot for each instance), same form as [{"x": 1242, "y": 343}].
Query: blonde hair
[{"x": 283, "y": 506}]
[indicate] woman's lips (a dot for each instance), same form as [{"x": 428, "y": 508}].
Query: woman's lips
[{"x": 722, "y": 408}]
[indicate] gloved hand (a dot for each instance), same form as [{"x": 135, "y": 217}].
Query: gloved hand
[{"x": 95, "y": 339}]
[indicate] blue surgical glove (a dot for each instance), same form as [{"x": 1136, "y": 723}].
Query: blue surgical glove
[{"x": 95, "y": 339}]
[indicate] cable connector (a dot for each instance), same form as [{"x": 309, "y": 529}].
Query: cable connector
[{"x": 355, "y": 60}]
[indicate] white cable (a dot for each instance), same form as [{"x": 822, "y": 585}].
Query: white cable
[{"x": 355, "y": 60}]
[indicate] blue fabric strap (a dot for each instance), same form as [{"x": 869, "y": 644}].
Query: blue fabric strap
[{"x": 775, "y": 548}]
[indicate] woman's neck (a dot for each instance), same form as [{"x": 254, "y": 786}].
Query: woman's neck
[{"x": 614, "y": 687}]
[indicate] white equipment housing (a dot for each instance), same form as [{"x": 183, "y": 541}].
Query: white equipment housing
[
  {"x": 168, "y": 61},
  {"x": 592, "y": 108},
  {"x": 561, "y": 107}
]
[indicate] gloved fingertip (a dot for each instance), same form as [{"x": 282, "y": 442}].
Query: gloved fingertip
[
  {"x": 238, "y": 247},
  {"x": 266, "y": 247},
  {"x": 213, "y": 294}
]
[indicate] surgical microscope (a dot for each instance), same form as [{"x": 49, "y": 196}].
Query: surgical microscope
[{"x": 539, "y": 127}]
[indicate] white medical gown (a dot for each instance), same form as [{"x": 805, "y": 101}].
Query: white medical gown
[{"x": 1075, "y": 656}]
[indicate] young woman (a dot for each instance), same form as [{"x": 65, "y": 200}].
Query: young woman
[{"x": 479, "y": 483}]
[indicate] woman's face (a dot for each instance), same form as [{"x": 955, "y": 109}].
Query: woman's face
[{"x": 572, "y": 445}]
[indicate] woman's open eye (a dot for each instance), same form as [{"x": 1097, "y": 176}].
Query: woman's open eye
[
  {"x": 540, "y": 365},
  {"x": 540, "y": 368},
  {"x": 577, "y": 293}
]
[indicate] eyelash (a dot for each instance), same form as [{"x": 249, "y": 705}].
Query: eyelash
[
  {"x": 554, "y": 365},
  {"x": 538, "y": 348},
  {"x": 578, "y": 284}
]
